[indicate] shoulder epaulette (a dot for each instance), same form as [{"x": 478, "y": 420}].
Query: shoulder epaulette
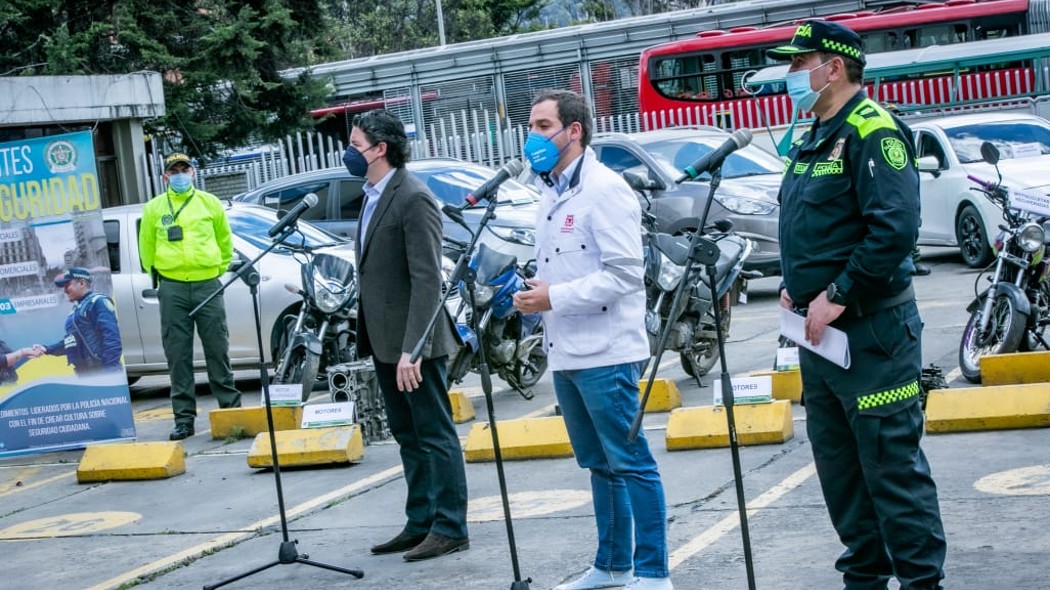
[{"x": 869, "y": 117}]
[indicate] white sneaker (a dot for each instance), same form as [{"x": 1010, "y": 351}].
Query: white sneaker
[
  {"x": 595, "y": 578},
  {"x": 650, "y": 584}
]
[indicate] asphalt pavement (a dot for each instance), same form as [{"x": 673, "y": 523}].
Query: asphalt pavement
[{"x": 220, "y": 518}]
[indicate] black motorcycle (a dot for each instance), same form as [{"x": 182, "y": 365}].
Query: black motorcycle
[
  {"x": 322, "y": 334},
  {"x": 692, "y": 335},
  {"x": 1012, "y": 313}
]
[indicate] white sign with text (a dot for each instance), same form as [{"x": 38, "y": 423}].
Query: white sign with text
[
  {"x": 746, "y": 390},
  {"x": 322, "y": 415},
  {"x": 286, "y": 394}
]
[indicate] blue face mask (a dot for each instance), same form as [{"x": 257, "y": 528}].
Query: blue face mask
[
  {"x": 800, "y": 88},
  {"x": 355, "y": 161},
  {"x": 541, "y": 152},
  {"x": 181, "y": 182}
]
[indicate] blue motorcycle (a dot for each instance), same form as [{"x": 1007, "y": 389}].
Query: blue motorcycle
[{"x": 513, "y": 341}]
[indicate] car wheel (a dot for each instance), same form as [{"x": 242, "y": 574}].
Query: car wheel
[{"x": 972, "y": 238}]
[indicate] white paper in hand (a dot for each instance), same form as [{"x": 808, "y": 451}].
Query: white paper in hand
[{"x": 834, "y": 345}]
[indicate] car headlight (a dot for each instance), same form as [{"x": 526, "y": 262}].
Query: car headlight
[
  {"x": 482, "y": 294},
  {"x": 746, "y": 206},
  {"x": 669, "y": 275},
  {"x": 329, "y": 295},
  {"x": 516, "y": 235},
  {"x": 1030, "y": 237}
]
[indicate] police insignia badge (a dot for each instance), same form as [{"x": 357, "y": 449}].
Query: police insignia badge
[
  {"x": 166, "y": 220},
  {"x": 836, "y": 152},
  {"x": 894, "y": 152}
]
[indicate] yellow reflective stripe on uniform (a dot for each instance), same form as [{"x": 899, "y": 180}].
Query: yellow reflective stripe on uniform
[
  {"x": 869, "y": 117},
  {"x": 883, "y": 398}
]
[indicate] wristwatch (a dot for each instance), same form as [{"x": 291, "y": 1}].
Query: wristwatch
[{"x": 836, "y": 295}]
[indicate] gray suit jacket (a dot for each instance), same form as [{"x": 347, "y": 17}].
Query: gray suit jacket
[{"x": 399, "y": 273}]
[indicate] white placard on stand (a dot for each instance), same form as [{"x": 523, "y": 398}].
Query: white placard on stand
[
  {"x": 284, "y": 395},
  {"x": 746, "y": 390},
  {"x": 322, "y": 415}
]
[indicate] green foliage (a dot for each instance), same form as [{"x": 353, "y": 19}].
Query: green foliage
[{"x": 221, "y": 59}]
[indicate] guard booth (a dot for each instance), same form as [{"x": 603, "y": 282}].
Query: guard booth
[{"x": 112, "y": 108}]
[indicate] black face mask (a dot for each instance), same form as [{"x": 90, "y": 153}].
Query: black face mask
[{"x": 355, "y": 161}]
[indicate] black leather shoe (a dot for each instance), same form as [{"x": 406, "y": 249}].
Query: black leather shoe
[
  {"x": 402, "y": 542},
  {"x": 921, "y": 270},
  {"x": 436, "y": 545},
  {"x": 181, "y": 431}
]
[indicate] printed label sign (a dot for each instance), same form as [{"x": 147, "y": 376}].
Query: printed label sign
[
  {"x": 746, "y": 390},
  {"x": 285, "y": 394},
  {"x": 322, "y": 415}
]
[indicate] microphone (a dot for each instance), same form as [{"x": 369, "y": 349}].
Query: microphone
[
  {"x": 292, "y": 216},
  {"x": 485, "y": 191},
  {"x": 714, "y": 159}
]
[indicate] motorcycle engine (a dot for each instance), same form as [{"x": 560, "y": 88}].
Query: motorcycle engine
[
  {"x": 681, "y": 336},
  {"x": 501, "y": 353},
  {"x": 356, "y": 382}
]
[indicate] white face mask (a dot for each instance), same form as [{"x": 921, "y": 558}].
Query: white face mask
[{"x": 800, "y": 88}]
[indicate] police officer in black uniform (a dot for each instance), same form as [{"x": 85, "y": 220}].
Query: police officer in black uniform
[{"x": 849, "y": 217}]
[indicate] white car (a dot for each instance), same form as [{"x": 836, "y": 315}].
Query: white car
[
  {"x": 138, "y": 309},
  {"x": 948, "y": 150}
]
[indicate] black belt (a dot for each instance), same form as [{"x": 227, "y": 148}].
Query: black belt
[{"x": 864, "y": 307}]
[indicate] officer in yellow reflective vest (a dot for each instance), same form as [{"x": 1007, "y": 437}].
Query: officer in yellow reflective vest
[{"x": 185, "y": 241}]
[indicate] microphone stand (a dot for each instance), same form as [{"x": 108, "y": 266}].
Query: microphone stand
[
  {"x": 464, "y": 273},
  {"x": 703, "y": 251},
  {"x": 287, "y": 553}
]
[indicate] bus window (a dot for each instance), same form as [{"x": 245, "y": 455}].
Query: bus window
[
  {"x": 737, "y": 63},
  {"x": 690, "y": 77},
  {"x": 945, "y": 34},
  {"x": 882, "y": 41}
]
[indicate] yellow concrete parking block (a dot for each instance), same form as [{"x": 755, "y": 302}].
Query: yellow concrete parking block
[
  {"x": 131, "y": 461},
  {"x": 245, "y": 422},
  {"x": 996, "y": 407},
  {"x": 663, "y": 397},
  {"x": 462, "y": 407},
  {"x": 1015, "y": 368},
  {"x": 706, "y": 427},
  {"x": 533, "y": 438},
  {"x": 309, "y": 446},
  {"x": 786, "y": 384}
]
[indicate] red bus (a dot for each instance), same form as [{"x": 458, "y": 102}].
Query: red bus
[{"x": 698, "y": 80}]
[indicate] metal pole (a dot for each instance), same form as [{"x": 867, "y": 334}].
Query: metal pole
[{"x": 441, "y": 24}]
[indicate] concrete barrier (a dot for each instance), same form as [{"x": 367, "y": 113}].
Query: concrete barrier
[
  {"x": 1015, "y": 368},
  {"x": 786, "y": 384},
  {"x": 996, "y": 407},
  {"x": 532, "y": 438},
  {"x": 131, "y": 461},
  {"x": 309, "y": 446},
  {"x": 706, "y": 427},
  {"x": 663, "y": 397},
  {"x": 246, "y": 422},
  {"x": 462, "y": 407}
]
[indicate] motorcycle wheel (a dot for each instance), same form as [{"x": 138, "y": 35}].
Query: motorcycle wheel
[
  {"x": 458, "y": 366},
  {"x": 302, "y": 368},
  {"x": 531, "y": 371},
  {"x": 1006, "y": 329},
  {"x": 706, "y": 360},
  {"x": 972, "y": 238}
]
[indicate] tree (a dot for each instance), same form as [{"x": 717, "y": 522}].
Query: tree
[{"x": 221, "y": 61}]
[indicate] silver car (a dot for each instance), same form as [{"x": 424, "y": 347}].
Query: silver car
[{"x": 138, "y": 310}]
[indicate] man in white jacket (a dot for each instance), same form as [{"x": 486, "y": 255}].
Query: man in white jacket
[{"x": 588, "y": 285}]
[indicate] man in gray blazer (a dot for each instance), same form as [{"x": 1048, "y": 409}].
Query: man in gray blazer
[{"x": 399, "y": 270}]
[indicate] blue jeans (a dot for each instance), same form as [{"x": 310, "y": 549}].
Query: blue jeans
[{"x": 598, "y": 406}]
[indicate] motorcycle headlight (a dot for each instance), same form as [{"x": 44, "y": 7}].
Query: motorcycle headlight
[
  {"x": 669, "y": 275},
  {"x": 1030, "y": 237},
  {"x": 482, "y": 294},
  {"x": 746, "y": 206},
  {"x": 516, "y": 235},
  {"x": 329, "y": 295}
]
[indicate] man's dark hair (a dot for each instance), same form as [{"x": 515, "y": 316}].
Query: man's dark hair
[
  {"x": 572, "y": 108},
  {"x": 854, "y": 69},
  {"x": 381, "y": 125}
]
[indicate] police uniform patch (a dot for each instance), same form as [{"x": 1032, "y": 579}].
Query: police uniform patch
[
  {"x": 836, "y": 152},
  {"x": 894, "y": 152}
]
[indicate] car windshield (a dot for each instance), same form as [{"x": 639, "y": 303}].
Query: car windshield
[
  {"x": 252, "y": 223},
  {"x": 452, "y": 184},
  {"x": 675, "y": 155},
  {"x": 1015, "y": 139}
]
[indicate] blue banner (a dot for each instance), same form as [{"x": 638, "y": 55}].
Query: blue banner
[{"x": 62, "y": 384}]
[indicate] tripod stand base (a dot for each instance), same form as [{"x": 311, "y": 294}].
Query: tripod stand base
[
  {"x": 285, "y": 555},
  {"x": 521, "y": 584}
]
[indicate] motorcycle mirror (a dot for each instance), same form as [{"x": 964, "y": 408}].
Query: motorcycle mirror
[
  {"x": 530, "y": 269},
  {"x": 636, "y": 181},
  {"x": 676, "y": 248},
  {"x": 453, "y": 213},
  {"x": 990, "y": 153}
]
